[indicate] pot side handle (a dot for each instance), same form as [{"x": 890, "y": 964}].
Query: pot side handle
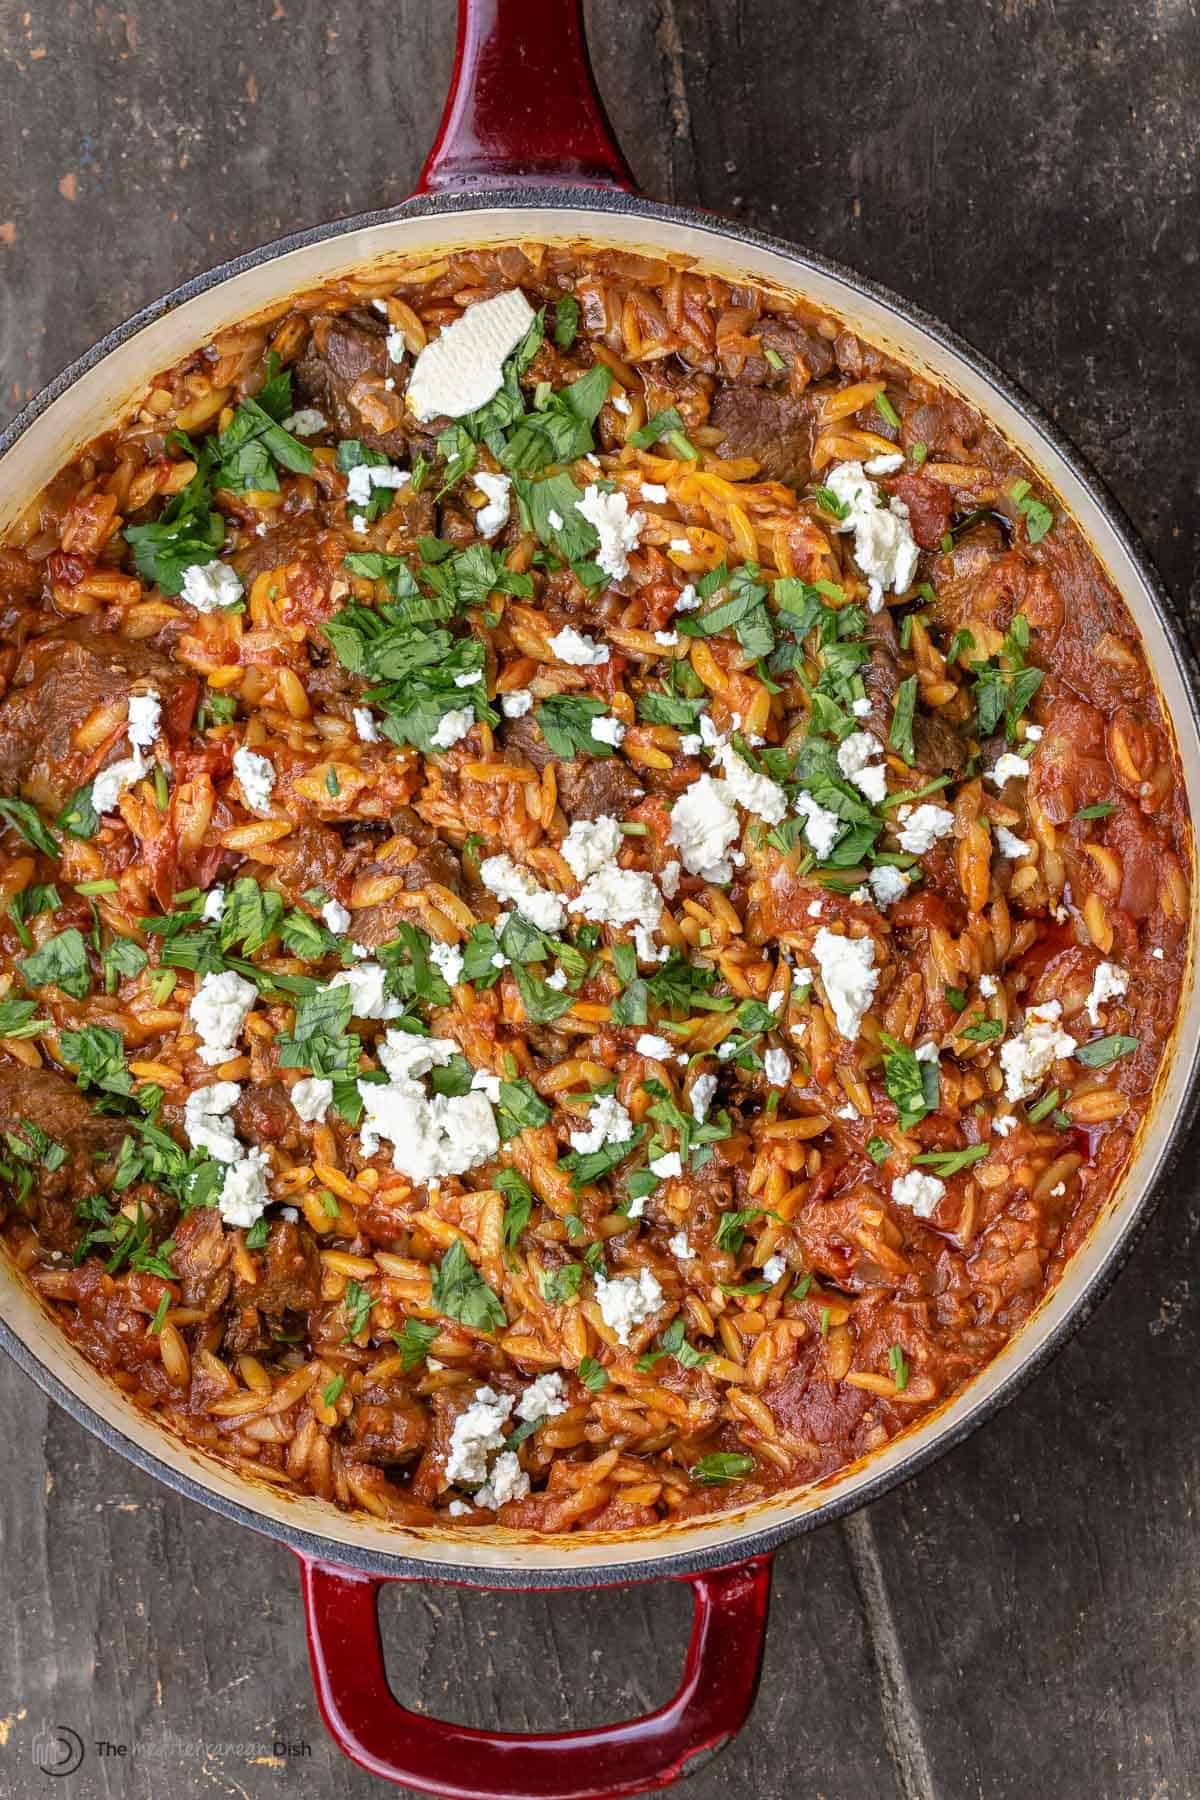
[
  {"x": 523, "y": 105},
  {"x": 720, "y": 1675}
]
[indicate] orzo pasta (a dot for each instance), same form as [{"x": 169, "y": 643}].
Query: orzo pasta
[{"x": 595, "y": 886}]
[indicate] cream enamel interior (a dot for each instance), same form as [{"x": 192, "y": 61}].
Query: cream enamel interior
[{"x": 103, "y": 391}]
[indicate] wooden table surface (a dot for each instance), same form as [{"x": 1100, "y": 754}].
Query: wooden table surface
[{"x": 1024, "y": 1618}]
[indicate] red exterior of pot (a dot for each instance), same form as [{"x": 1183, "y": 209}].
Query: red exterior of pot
[{"x": 720, "y": 1675}]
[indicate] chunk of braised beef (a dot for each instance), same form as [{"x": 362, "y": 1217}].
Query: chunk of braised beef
[
  {"x": 201, "y": 1259},
  {"x": 264, "y": 1114},
  {"x": 343, "y": 373},
  {"x": 292, "y": 1276},
  {"x": 60, "y": 680},
  {"x": 593, "y": 785},
  {"x": 56, "y": 1107},
  {"x": 772, "y": 428},
  {"x": 938, "y": 748},
  {"x": 385, "y": 1428},
  {"x": 930, "y": 506}
]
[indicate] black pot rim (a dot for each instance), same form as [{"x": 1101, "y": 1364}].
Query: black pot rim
[{"x": 938, "y": 1441}]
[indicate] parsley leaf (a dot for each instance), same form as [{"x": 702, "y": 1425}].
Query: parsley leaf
[
  {"x": 565, "y": 721},
  {"x": 62, "y": 962},
  {"x": 415, "y": 1342},
  {"x": 949, "y": 1162},
  {"x": 1101, "y": 1051},
  {"x": 26, "y": 819},
  {"x": 720, "y": 1467},
  {"x": 460, "y": 1292}
]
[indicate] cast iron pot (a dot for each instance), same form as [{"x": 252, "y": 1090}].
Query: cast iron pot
[{"x": 524, "y": 151}]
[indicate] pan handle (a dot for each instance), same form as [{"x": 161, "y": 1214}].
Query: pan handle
[
  {"x": 523, "y": 105},
  {"x": 720, "y": 1674}
]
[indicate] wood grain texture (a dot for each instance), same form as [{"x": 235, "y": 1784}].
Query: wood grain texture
[{"x": 1023, "y": 1619}]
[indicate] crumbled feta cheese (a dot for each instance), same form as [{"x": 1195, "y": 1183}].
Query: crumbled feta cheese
[
  {"x": 608, "y": 1123},
  {"x": 885, "y": 465},
  {"x": 814, "y": 909},
  {"x": 849, "y": 975},
  {"x": 1009, "y": 768},
  {"x": 802, "y": 978},
  {"x": 448, "y": 959},
  {"x": 214, "y": 906},
  {"x": 860, "y": 895},
  {"x": 775, "y": 1000},
  {"x": 516, "y": 886},
  {"x": 336, "y": 917},
  {"x": 668, "y": 1166},
  {"x": 210, "y": 586},
  {"x": 1041, "y": 1042},
  {"x": 691, "y": 743},
  {"x": 457, "y": 1509},
  {"x": 492, "y": 517},
  {"x": 452, "y": 727},
  {"x": 617, "y": 528},
  {"x": 543, "y": 1398},
  {"x": 431, "y": 1138},
  {"x": 621, "y": 401},
  {"x": 516, "y": 703},
  {"x": 861, "y": 708},
  {"x": 591, "y": 845},
  {"x": 507, "y": 1481},
  {"x": 1011, "y": 846},
  {"x": 988, "y": 986},
  {"x": 463, "y": 368},
  {"x": 607, "y": 730},
  {"x": 111, "y": 783},
  {"x": 679, "y": 1246},
  {"x": 1108, "y": 983},
  {"x": 472, "y": 678},
  {"x": 206, "y": 1122},
  {"x": 635, "y": 1207},
  {"x": 627, "y": 1301},
  {"x": 774, "y": 1269},
  {"x": 244, "y": 1193},
  {"x": 777, "y": 1068},
  {"x": 1157, "y": 953},
  {"x": 687, "y": 599},
  {"x": 884, "y": 547},
  {"x": 821, "y": 827},
  {"x": 757, "y": 793},
  {"x": 554, "y": 519},
  {"x": 145, "y": 715},
  {"x": 922, "y": 826},
  {"x": 701, "y": 1096},
  {"x": 1003, "y": 1123},
  {"x": 405, "y": 1054},
  {"x": 681, "y": 546},
  {"x": 888, "y": 884},
  {"x": 650, "y": 1044},
  {"x": 365, "y": 726},
  {"x": 856, "y": 751},
  {"x": 1058, "y": 1190},
  {"x": 704, "y": 823},
  {"x": 571, "y": 646},
  {"x": 395, "y": 342},
  {"x": 1033, "y": 734},
  {"x": 919, "y": 1192},
  {"x": 369, "y": 998},
  {"x": 668, "y": 879},
  {"x": 849, "y": 1112},
  {"x": 306, "y": 421},
  {"x": 365, "y": 477},
  {"x": 616, "y": 896},
  {"x": 668, "y": 639},
  {"x": 477, "y": 1433},
  {"x": 484, "y": 1082},
  {"x": 311, "y": 1098},
  {"x": 256, "y": 777},
  {"x": 218, "y": 1011},
  {"x": 654, "y": 492}
]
